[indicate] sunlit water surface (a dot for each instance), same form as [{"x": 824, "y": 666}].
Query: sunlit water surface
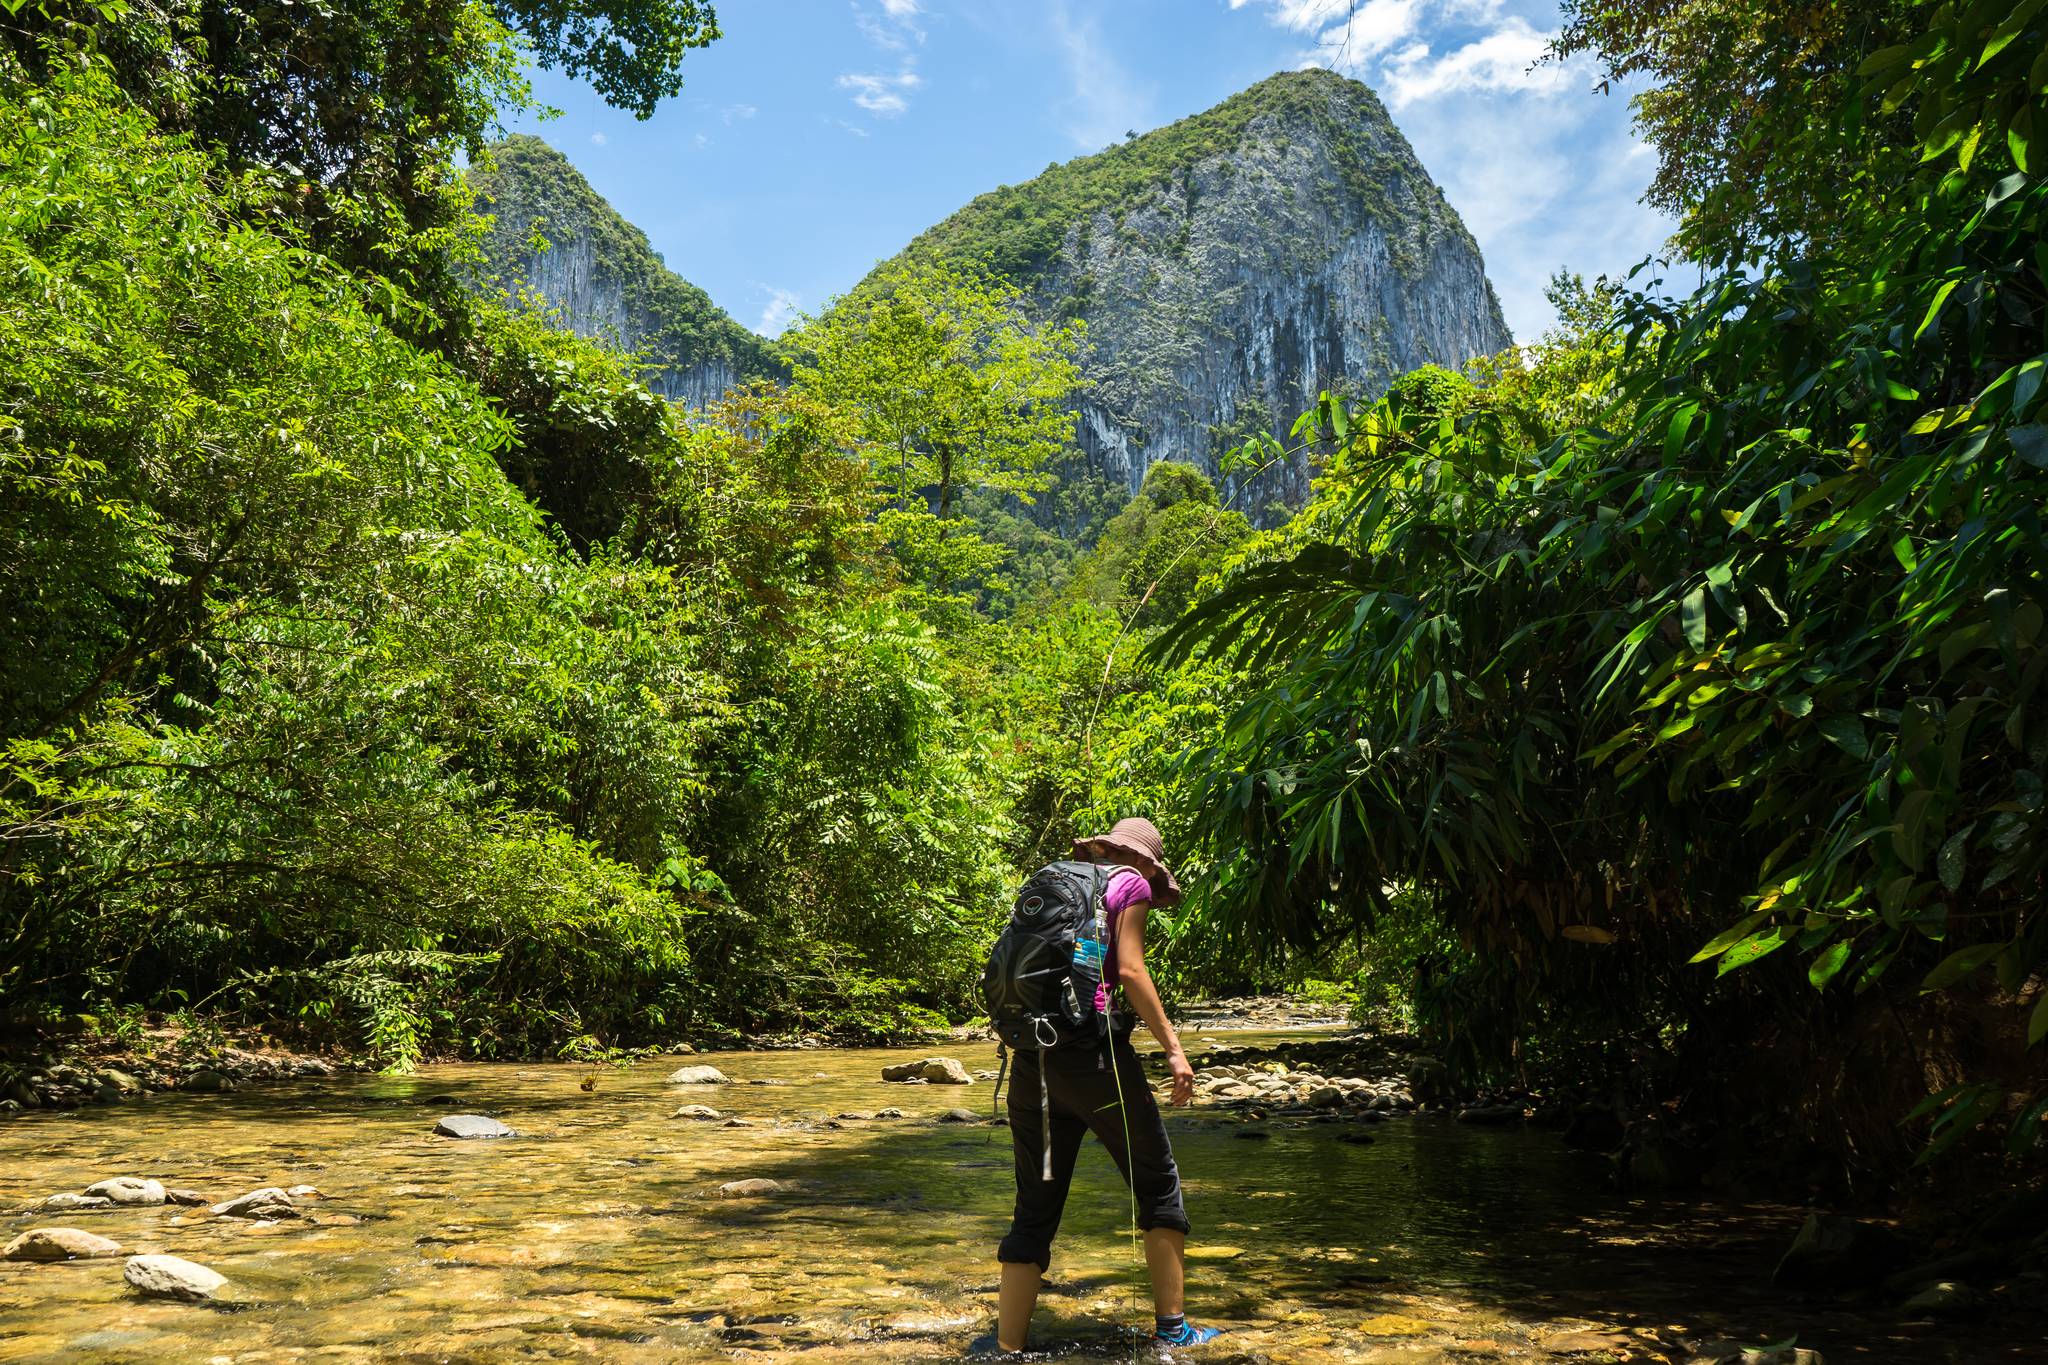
[{"x": 597, "y": 1233}]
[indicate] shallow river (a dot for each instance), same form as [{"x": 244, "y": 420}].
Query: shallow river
[{"x": 597, "y": 1232}]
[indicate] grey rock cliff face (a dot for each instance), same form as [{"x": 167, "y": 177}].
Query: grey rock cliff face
[
  {"x": 602, "y": 279},
  {"x": 1234, "y": 295}
]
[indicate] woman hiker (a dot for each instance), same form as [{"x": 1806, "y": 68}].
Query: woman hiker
[{"x": 1071, "y": 1092}]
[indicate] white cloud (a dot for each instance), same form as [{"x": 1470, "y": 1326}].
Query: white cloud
[
  {"x": 1104, "y": 100},
  {"x": 1505, "y": 59},
  {"x": 700, "y": 140},
  {"x": 733, "y": 113},
  {"x": 882, "y": 95},
  {"x": 599, "y": 139},
  {"x": 781, "y": 309},
  {"x": 894, "y": 29}
]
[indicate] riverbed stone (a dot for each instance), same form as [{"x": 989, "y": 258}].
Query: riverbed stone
[
  {"x": 128, "y": 1189},
  {"x": 696, "y": 1111},
  {"x": 959, "y": 1116},
  {"x": 934, "y": 1070},
  {"x": 206, "y": 1081},
  {"x": 855, "y": 1115},
  {"x": 472, "y": 1126},
  {"x": 1325, "y": 1097},
  {"x": 698, "y": 1075},
  {"x": 58, "y": 1244},
  {"x": 73, "y": 1203},
  {"x": 1943, "y": 1299},
  {"x": 188, "y": 1198},
  {"x": 745, "y": 1189},
  {"x": 172, "y": 1277},
  {"x": 268, "y": 1202},
  {"x": 1832, "y": 1251},
  {"x": 890, "y": 1113}
]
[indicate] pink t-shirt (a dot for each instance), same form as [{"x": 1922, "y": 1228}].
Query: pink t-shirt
[{"x": 1127, "y": 887}]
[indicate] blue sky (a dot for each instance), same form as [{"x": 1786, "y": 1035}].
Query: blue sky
[{"x": 818, "y": 136}]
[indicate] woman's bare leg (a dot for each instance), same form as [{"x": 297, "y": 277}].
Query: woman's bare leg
[
  {"x": 1166, "y": 1261},
  {"x": 1014, "y": 1302}
]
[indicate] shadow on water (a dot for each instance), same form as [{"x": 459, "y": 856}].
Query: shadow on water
[{"x": 602, "y": 1232}]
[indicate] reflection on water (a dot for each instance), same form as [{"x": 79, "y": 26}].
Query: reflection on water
[{"x": 599, "y": 1232}]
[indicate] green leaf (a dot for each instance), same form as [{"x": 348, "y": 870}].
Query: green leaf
[
  {"x": 2026, "y": 383},
  {"x": 1954, "y": 855},
  {"x": 1845, "y": 732},
  {"x": 1934, "y": 311},
  {"x": 1732, "y": 935},
  {"x": 1829, "y": 964},
  {"x": 2005, "y": 189},
  {"x": 2037, "y": 1025},
  {"x": 2031, "y": 444},
  {"x": 1750, "y": 949},
  {"x": 1693, "y": 616},
  {"x": 1958, "y": 965}
]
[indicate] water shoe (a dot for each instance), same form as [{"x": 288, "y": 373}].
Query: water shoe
[{"x": 1186, "y": 1334}]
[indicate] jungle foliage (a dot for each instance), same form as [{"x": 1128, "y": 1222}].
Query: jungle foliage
[{"x": 1734, "y": 660}]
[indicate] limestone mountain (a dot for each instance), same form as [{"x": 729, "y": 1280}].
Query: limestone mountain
[
  {"x": 600, "y": 272},
  {"x": 1233, "y": 265}
]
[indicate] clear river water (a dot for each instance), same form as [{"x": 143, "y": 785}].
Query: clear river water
[{"x": 599, "y": 1233}]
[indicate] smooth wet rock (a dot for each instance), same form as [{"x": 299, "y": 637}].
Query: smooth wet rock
[
  {"x": 120, "y": 1080},
  {"x": 1491, "y": 1115},
  {"x": 206, "y": 1081},
  {"x": 1944, "y": 1299},
  {"x": 73, "y": 1203},
  {"x": 128, "y": 1189},
  {"x": 472, "y": 1126},
  {"x": 855, "y": 1115},
  {"x": 172, "y": 1277},
  {"x": 1325, "y": 1097},
  {"x": 268, "y": 1202},
  {"x": 933, "y": 1070},
  {"x": 698, "y": 1075},
  {"x": 58, "y": 1244},
  {"x": 1833, "y": 1251},
  {"x": 959, "y": 1116},
  {"x": 298, "y": 1192},
  {"x": 699, "y": 1112},
  {"x": 188, "y": 1198},
  {"x": 747, "y": 1189},
  {"x": 890, "y": 1113},
  {"x": 737, "y": 1123}
]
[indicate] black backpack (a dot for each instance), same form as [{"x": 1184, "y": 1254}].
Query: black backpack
[{"x": 1040, "y": 982}]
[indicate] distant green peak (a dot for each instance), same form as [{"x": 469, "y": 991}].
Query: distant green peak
[
  {"x": 627, "y": 291},
  {"x": 1019, "y": 228}
]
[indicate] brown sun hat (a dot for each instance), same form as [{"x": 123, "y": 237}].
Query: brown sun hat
[{"x": 1134, "y": 843}]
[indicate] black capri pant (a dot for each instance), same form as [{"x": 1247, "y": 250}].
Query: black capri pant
[{"x": 1082, "y": 1097}]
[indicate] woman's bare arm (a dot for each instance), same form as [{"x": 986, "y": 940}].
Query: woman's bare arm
[{"x": 1143, "y": 994}]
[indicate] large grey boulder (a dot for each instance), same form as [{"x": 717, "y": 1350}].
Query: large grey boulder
[
  {"x": 470, "y": 1126},
  {"x": 57, "y": 1244},
  {"x": 935, "y": 1070},
  {"x": 698, "y": 1075},
  {"x": 268, "y": 1202},
  {"x": 72, "y": 1203},
  {"x": 172, "y": 1277},
  {"x": 127, "y": 1189}
]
